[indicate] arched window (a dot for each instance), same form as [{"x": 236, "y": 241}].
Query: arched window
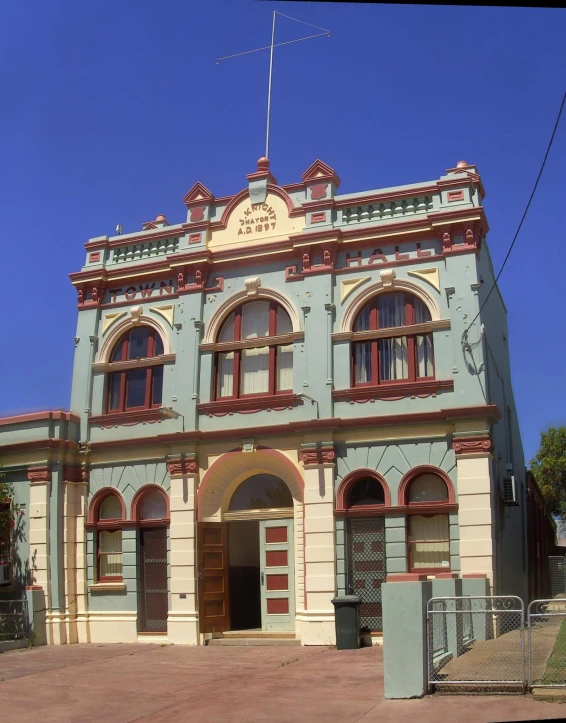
[
  {"x": 429, "y": 535},
  {"x": 109, "y": 539},
  {"x": 154, "y": 506},
  {"x": 384, "y": 349},
  {"x": 135, "y": 381},
  {"x": 366, "y": 491},
  {"x": 255, "y": 363},
  {"x": 261, "y": 492}
]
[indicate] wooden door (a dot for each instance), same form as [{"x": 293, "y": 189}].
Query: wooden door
[
  {"x": 153, "y": 580},
  {"x": 277, "y": 575},
  {"x": 213, "y": 577}
]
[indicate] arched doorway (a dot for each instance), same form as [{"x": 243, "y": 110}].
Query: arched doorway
[{"x": 246, "y": 561}]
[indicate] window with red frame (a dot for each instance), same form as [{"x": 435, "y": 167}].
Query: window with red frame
[
  {"x": 366, "y": 491},
  {"x": 5, "y": 552},
  {"x": 139, "y": 387},
  {"x": 109, "y": 551},
  {"x": 262, "y": 367},
  {"x": 429, "y": 535},
  {"x": 394, "y": 358}
]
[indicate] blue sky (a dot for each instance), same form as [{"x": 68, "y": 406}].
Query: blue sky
[{"x": 112, "y": 110}]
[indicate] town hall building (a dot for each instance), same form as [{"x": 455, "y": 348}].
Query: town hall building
[{"x": 291, "y": 394}]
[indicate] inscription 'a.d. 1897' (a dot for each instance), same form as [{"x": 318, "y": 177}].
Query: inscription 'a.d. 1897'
[{"x": 258, "y": 218}]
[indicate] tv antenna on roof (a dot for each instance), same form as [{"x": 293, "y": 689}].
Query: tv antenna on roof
[{"x": 324, "y": 33}]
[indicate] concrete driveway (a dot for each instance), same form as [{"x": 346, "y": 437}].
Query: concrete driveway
[{"x": 167, "y": 684}]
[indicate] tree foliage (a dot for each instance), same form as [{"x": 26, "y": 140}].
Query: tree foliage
[{"x": 549, "y": 468}]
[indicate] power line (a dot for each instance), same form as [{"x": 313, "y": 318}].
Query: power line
[{"x": 465, "y": 334}]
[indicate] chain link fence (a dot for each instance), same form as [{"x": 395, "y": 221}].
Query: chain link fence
[
  {"x": 14, "y": 619},
  {"x": 476, "y": 640},
  {"x": 547, "y": 643},
  {"x": 557, "y": 574}
]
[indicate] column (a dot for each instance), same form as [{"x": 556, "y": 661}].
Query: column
[
  {"x": 74, "y": 541},
  {"x": 476, "y": 514},
  {"x": 182, "y": 621},
  {"x": 40, "y": 483},
  {"x": 316, "y": 624}
]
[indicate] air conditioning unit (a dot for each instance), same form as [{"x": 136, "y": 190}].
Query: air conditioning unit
[{"x": 510, "y": 491}]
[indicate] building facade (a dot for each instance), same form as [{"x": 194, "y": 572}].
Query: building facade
[{"x": 289, "y": 395}]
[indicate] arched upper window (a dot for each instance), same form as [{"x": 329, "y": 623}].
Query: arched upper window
[
  {"x": 135, "y": 380},
  {"x": 154, "y": 506},
  {"x": 384, "y": 349},
  {"x": 261, "y": 492},
  {"x": 366, "y": 491},
  {"x": 255, "y": 363},
  {"x": 427, "y": 488}
]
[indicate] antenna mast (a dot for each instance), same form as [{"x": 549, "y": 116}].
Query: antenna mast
[{"x": 270, "y": 47}]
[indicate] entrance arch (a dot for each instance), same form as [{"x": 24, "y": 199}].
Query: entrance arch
[
  {"x": 231, "y": 469},
  {"x": 251, "y": 548}
]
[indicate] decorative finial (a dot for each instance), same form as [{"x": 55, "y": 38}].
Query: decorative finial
[
  {"x": 161, "y": 218},
  {"x": 461, "y": 164},
  {"x": 263, "y": 164}
]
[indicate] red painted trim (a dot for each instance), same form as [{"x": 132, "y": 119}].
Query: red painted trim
[
  {"x": 420, "y": 506},
  {"x": 137, "y": 502},
  {"x": 443, "y": 415},
  {"x": 383, "y": 511},
  {"x": 94, "y": 507},
  {"x": 318, "y": 217},
  {"x": 191, "y": 197},
  {"x": 113, "y": 419},
  {"x": 248, "y": 405},
  {"x": 455, "y": 196},
  {"x": 225, "y": 461},
  {"x": 472, "y": 445},
  {"x": 394, "y": 390},
  {"x": 94, "y": 256},
  {"x": 445, "y": 575},
  {"x": 34, "y": 587},
  {"x": 57, "y": 415},
  {"x": 39, "y": 474},
  {"x": 318, "y": 172},
  {"x": 474, "y": 576},
  {"x": 350, "y": 480},
  {"x": 405, "y": 577}
]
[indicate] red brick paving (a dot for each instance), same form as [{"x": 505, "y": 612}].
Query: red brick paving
[{"x": 170, "y": 684}]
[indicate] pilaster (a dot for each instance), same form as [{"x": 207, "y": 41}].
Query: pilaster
[
  {"x": 182, "y": 621},
  {"x": 75, "y": 480},
  {"x": 316, "y": 624},
  {"x": 476, "y": 506}
]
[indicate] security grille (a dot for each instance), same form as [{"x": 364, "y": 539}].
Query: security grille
[
  {"x": 153, "y": 580},
  {"x": 557, "y": 569},
  {"x": 366, "y": 567},
  {"x": 475, "y": 640}
]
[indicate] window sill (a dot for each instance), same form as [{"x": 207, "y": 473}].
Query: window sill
[
  {"x": 222, "y": 407},
  {"x": 126, "y": 419},
  {"x": 107, "y": 587},
  {"x": 392, "y": 392}
]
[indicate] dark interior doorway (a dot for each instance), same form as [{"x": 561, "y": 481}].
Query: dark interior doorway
[{"x": 245, "y": 591}]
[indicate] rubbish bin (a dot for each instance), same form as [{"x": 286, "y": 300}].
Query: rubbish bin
[{"x": 347, "y": 620}]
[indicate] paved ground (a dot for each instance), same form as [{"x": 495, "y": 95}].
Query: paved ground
[{"x": 170, "y": 684}]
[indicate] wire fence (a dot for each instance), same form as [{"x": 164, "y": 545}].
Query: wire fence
[
  {"x": 547, "y": 643},
  {"x": 476, "y": 640}
]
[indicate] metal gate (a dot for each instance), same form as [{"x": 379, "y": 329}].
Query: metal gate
[
  {"x": 476, "y": 640},
  {"x": 153, "y": 580},
  {"x": 366, "y": 567},
  {"x": 547, "y": 643}
]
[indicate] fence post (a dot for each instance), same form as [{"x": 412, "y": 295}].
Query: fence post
[
  {"x": 454, "y": 623},
  {"x": 36, "y": 613},
  {"x": 405, "y": 659}
]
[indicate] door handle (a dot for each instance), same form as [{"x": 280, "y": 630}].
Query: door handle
[{"x": 262, "y": 578}]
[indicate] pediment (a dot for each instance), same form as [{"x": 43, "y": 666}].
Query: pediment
[
  {"x": 320, "y": 171},
  {"x": 198, "y": 194}
]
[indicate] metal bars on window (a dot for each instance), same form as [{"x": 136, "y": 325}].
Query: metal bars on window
[{"x": 366, "y": 567}]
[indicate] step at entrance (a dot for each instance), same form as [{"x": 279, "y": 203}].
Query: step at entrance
[
  {"x": 244, "y": 642},
  {"x": 255, "y": 637}
]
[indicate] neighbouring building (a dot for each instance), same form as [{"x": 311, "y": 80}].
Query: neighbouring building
[{"x": 274, "y": 401}]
